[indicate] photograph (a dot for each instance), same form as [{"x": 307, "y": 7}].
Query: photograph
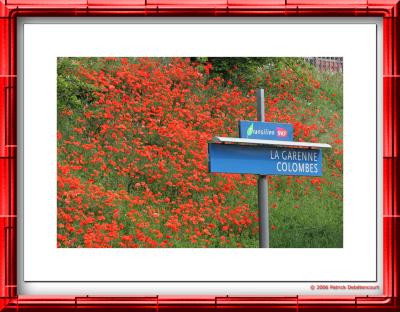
[{"x": 166, "y": 152}]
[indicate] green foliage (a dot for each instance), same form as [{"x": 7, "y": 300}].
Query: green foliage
[
  {"x": 246, "y": 66},
  {"x": 241, "y": 70},
  {"x": 73, "y": 92}
]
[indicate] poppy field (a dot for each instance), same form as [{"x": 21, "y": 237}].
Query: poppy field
[{"x": 132, "y": 159}]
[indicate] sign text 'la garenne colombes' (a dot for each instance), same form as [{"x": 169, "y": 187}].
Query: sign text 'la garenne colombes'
[{"x": 265, "y": 160}]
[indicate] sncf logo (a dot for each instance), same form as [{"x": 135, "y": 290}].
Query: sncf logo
[{"x": 281, "y": 132}]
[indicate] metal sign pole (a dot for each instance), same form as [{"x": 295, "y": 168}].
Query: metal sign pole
[{"x": 262, "y": 184}]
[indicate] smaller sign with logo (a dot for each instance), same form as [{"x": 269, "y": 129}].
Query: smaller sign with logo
[{"x": 265, "y": 130}]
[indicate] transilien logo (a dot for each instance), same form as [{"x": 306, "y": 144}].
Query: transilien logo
[{"x": 250, "y": 130}]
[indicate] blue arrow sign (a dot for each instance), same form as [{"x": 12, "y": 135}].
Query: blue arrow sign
[
  {"x": 265, "y": 130},
  {"x": 264, "y": 160}
]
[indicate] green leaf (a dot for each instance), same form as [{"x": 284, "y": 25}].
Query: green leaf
[{"x": 250, "y": 130}]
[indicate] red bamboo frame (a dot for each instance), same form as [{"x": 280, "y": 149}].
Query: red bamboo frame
[{"x": 11, "y": 9}]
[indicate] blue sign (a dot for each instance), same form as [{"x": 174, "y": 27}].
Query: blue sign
[
  {"x": 265, "y": 130},
  {"x": 265, "y": 160}
]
